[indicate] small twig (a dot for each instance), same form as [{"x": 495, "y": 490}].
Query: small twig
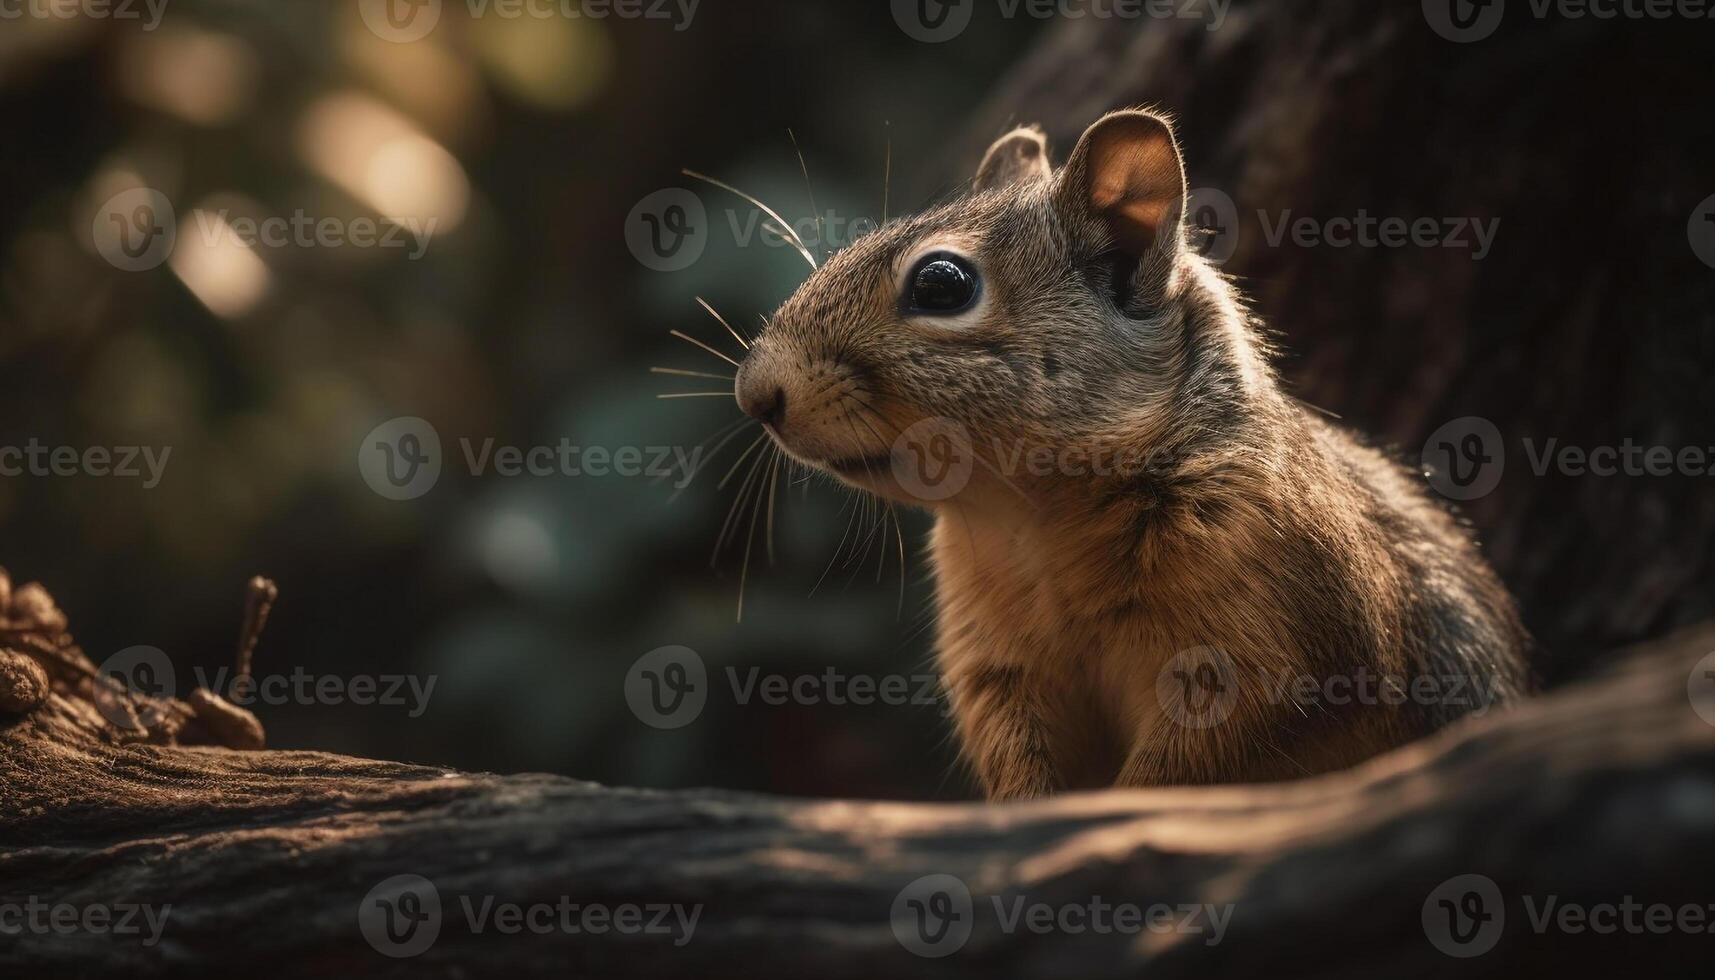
[{"x": 259, "y": 596}]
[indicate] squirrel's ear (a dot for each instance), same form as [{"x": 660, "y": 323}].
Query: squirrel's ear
[
  {"x": 1126, "y": 174},
  {"x": 1018, "y": 156}
]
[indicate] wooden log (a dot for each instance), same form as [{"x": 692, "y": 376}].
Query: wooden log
[{"x": 1603, "y": 793}]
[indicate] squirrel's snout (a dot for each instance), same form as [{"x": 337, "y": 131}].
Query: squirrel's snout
[
  {"x": 769, "y": 408},
  {"x": 758, "y": 395},
  {"x": 826, "y": 398}
]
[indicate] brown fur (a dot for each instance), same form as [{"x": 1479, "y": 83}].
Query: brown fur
[{"x": 1255, "y": 528}]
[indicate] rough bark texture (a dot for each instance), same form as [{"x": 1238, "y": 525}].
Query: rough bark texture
[
  {"x": 1598, "y": 793},
  {"x": 1591, "y": 320}
]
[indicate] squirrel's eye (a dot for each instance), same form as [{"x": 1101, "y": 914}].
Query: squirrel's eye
[{"x": 942, "y": 283}]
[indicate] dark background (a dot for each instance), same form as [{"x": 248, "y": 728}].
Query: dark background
[{"x": 530, "y": 321}]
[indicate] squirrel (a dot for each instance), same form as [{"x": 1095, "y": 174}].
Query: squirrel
[{"x": 1207, "y": 609}]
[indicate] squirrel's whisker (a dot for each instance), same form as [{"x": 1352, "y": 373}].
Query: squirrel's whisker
[
  {"x": 680, "y": 372},
  {"x": 711, "y": 350},
  {"x": 871, "y": 509},
  {"x": 838, "y": 547},
  {"x": 821, "y": 236},
  {"x": 692, "y": 470},
  {"x": 741, "y": 458},
  {"x": 881, "y": 552},
  {"x": 898, "y": 530},
  {"x": 899, "y": 534},
  {"x": 714, "y": 313},
  {"x": 797, "y": 242},
  {"x": 886, "y": 171},
  {"x": 728, "y": 526},
  {"x": 773, "y": 484},
  {"x": 750, "y": 532}
]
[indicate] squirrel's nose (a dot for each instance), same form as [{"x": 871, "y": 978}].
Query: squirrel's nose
[{"x": 760, "y": 398}]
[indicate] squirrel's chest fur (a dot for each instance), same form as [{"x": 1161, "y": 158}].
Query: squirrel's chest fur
[
  {"x": 1004, "y": 606},
  {"x": 1090, "y": 632},
  {"x": 1077, "y": 617}
]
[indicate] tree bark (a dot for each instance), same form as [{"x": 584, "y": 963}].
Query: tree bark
[{"x": 1599, "y": 793}]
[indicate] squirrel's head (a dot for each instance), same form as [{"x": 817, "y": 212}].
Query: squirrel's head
[{"x": 1035, "y": 313}]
